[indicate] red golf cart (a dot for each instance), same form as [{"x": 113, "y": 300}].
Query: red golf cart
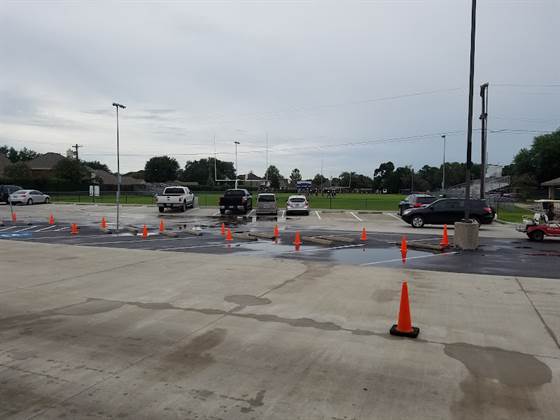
[{"x": 544, "y": 223}]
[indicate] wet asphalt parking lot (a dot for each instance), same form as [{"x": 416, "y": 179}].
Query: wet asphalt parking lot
[{"x": 496, "y": 256}]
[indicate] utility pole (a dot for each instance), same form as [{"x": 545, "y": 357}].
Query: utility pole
[
  {"x": 236, "y": 167},
  {"x": 117, "y": 106},
  {"x": 321, "y": 176},
  {"x": 77, "y": 146},
  {"x": 470, "y": 114},
  {"x": 443, "y": 167},
  {"x": 411, "y": 181},
  {"x": 266, "y": 169},
  {"x": 483, "y": 133}
]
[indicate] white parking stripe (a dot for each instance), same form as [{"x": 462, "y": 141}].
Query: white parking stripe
[
  {"x": 409, "y": 258},
  {"x": 8, "y": 228},
  {"x": 318, "y": 216},
  {"x": 394, "y": 216},
  {"x": 135, "y": 241},
  {"x": 324, "y": 249},
  {"x": 24, "y": 229},
  {"x": 61, "y": 229},
  {"x": 190, "y": 247},
  {"x": 283, "y": 214},
  {"x": 353, "y": 214},
  {"x": 216, "y": 214},
  {"x": 46, "y": 228}
]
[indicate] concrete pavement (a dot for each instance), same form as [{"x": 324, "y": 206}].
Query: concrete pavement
[{"x": 104, "y": 333}]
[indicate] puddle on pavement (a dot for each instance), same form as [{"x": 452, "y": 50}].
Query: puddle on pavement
[{"x": 344, "y": 254}]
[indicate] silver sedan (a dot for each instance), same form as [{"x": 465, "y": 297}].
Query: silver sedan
[{"x": 28, "y": 197}]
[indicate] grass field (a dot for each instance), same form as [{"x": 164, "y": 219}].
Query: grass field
[
  {"x": 513, "y": 213},
  {"x": 385, "y": 202}
]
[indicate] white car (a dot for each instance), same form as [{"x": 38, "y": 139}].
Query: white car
[
  {"x": 297, "y": 204},
  {"x": 28, "y": 197}
]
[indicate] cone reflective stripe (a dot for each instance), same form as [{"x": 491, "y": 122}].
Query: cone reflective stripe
[
  {"x": 51, "y": 220},
  {"x": 404, "y": 326},
  {"x": 145, "y": 232},
  {"x": 404, "y": 249},
  {"x": 364, "y": 235},
  {"x": 161, "y": 226},
  {"x": 74, "y": 229},
  {"x": 223, "y": 230},
  {"x": 445, "y": 240},
  {"x": 228, "y": 235},
  {"x": 297, "y": 241},
  {"x": 103, "y": 223},
  {"x": 276, "y": 232}
]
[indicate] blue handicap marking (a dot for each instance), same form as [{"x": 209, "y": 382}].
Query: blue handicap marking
[{"x": 15, "y": 235}]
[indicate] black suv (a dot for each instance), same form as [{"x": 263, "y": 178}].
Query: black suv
[
  {"x": 448, "y": 211},
  {"x": 6, "y": 190},
  {"x": 415, "y": 200}
]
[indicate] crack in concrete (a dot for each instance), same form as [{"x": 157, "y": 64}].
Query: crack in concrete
[{"x": 546, "y": 327}]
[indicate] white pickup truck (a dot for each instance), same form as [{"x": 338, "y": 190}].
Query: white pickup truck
[{"x": 175, "y": 198}]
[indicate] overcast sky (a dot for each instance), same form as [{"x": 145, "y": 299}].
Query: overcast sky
[{"x": 349, "y": 84}]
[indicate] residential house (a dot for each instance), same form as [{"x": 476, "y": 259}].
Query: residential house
[{"x": 42, "y": 166}]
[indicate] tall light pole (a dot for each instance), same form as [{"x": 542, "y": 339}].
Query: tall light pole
[
  {"x": 483, "y": 133},
  {"x": 117, "y": 106},
  {"x": 443, "y": 167},
  {"x": 470, "y": 114},
  {"x": 236, "y": 168}
]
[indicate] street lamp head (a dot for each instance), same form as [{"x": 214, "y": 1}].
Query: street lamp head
[
  {"x": 236, "y": 142},
  {"x": 119, "y": 105}
]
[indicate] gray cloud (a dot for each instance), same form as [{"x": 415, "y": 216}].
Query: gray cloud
[{"x": 312, "y": 75}]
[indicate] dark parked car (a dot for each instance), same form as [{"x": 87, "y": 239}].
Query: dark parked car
[
  {"x": 448, "y": 211},
  {"x": 415, "y": 200},
  {"x": 6, "y": 190},
  {"x": 236, "y": 200}
]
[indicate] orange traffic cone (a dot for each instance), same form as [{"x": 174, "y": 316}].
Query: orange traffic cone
[
  {"x": 364, "y": 235},
  {"x": 404, "y": 249},
  {"x": 276, "y": 232},
  {"x": 103, "y": 223},
  {"x": 297, "y": 241},
  {"x": 161, "y": 226},
  {"x": 404, "y": 326},
  {"x": 445, "y": 240},
  {"x": 145, "y": 232},
  {"x": 51, "y": 220},
  {"x": 223, "y": 230},
  {"x": 14, "y": 217},
  {"x": 74, "y": 229},
  {"x": 229, "y": 238}
]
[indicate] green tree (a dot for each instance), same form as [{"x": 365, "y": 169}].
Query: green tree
[
  {"x": 18, "y": 171},
  {"x": 203, "y": 172},
  {"x": 320, "y": 181},
  {"x": 14, "y": 155},
  {"x": 273, "y": 175},
  {"x": 161, "y": 169},
  {"x": 295, "y": 176},
  {"x": 70, "y": 170}
]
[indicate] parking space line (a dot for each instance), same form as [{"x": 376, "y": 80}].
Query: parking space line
[
  {"x": 24, "y": 229},
  {"x": 46, "y": 228},
  {"x": 133, "y": 241},
  {"x": 394, "y": 216},
  {"x": 190, "y": 247},
  {"x": 61, "y": 229},
  {"x": 353, "y": 214},
  {"x": 409, "y": 258},
  {"x": 8, "y": 228},
  {"x": 318, "y": 216},
  {"x": 333, "y": 248},
  {"x": 283, "y": 214},
  {"x": 216, "y": 214}
]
